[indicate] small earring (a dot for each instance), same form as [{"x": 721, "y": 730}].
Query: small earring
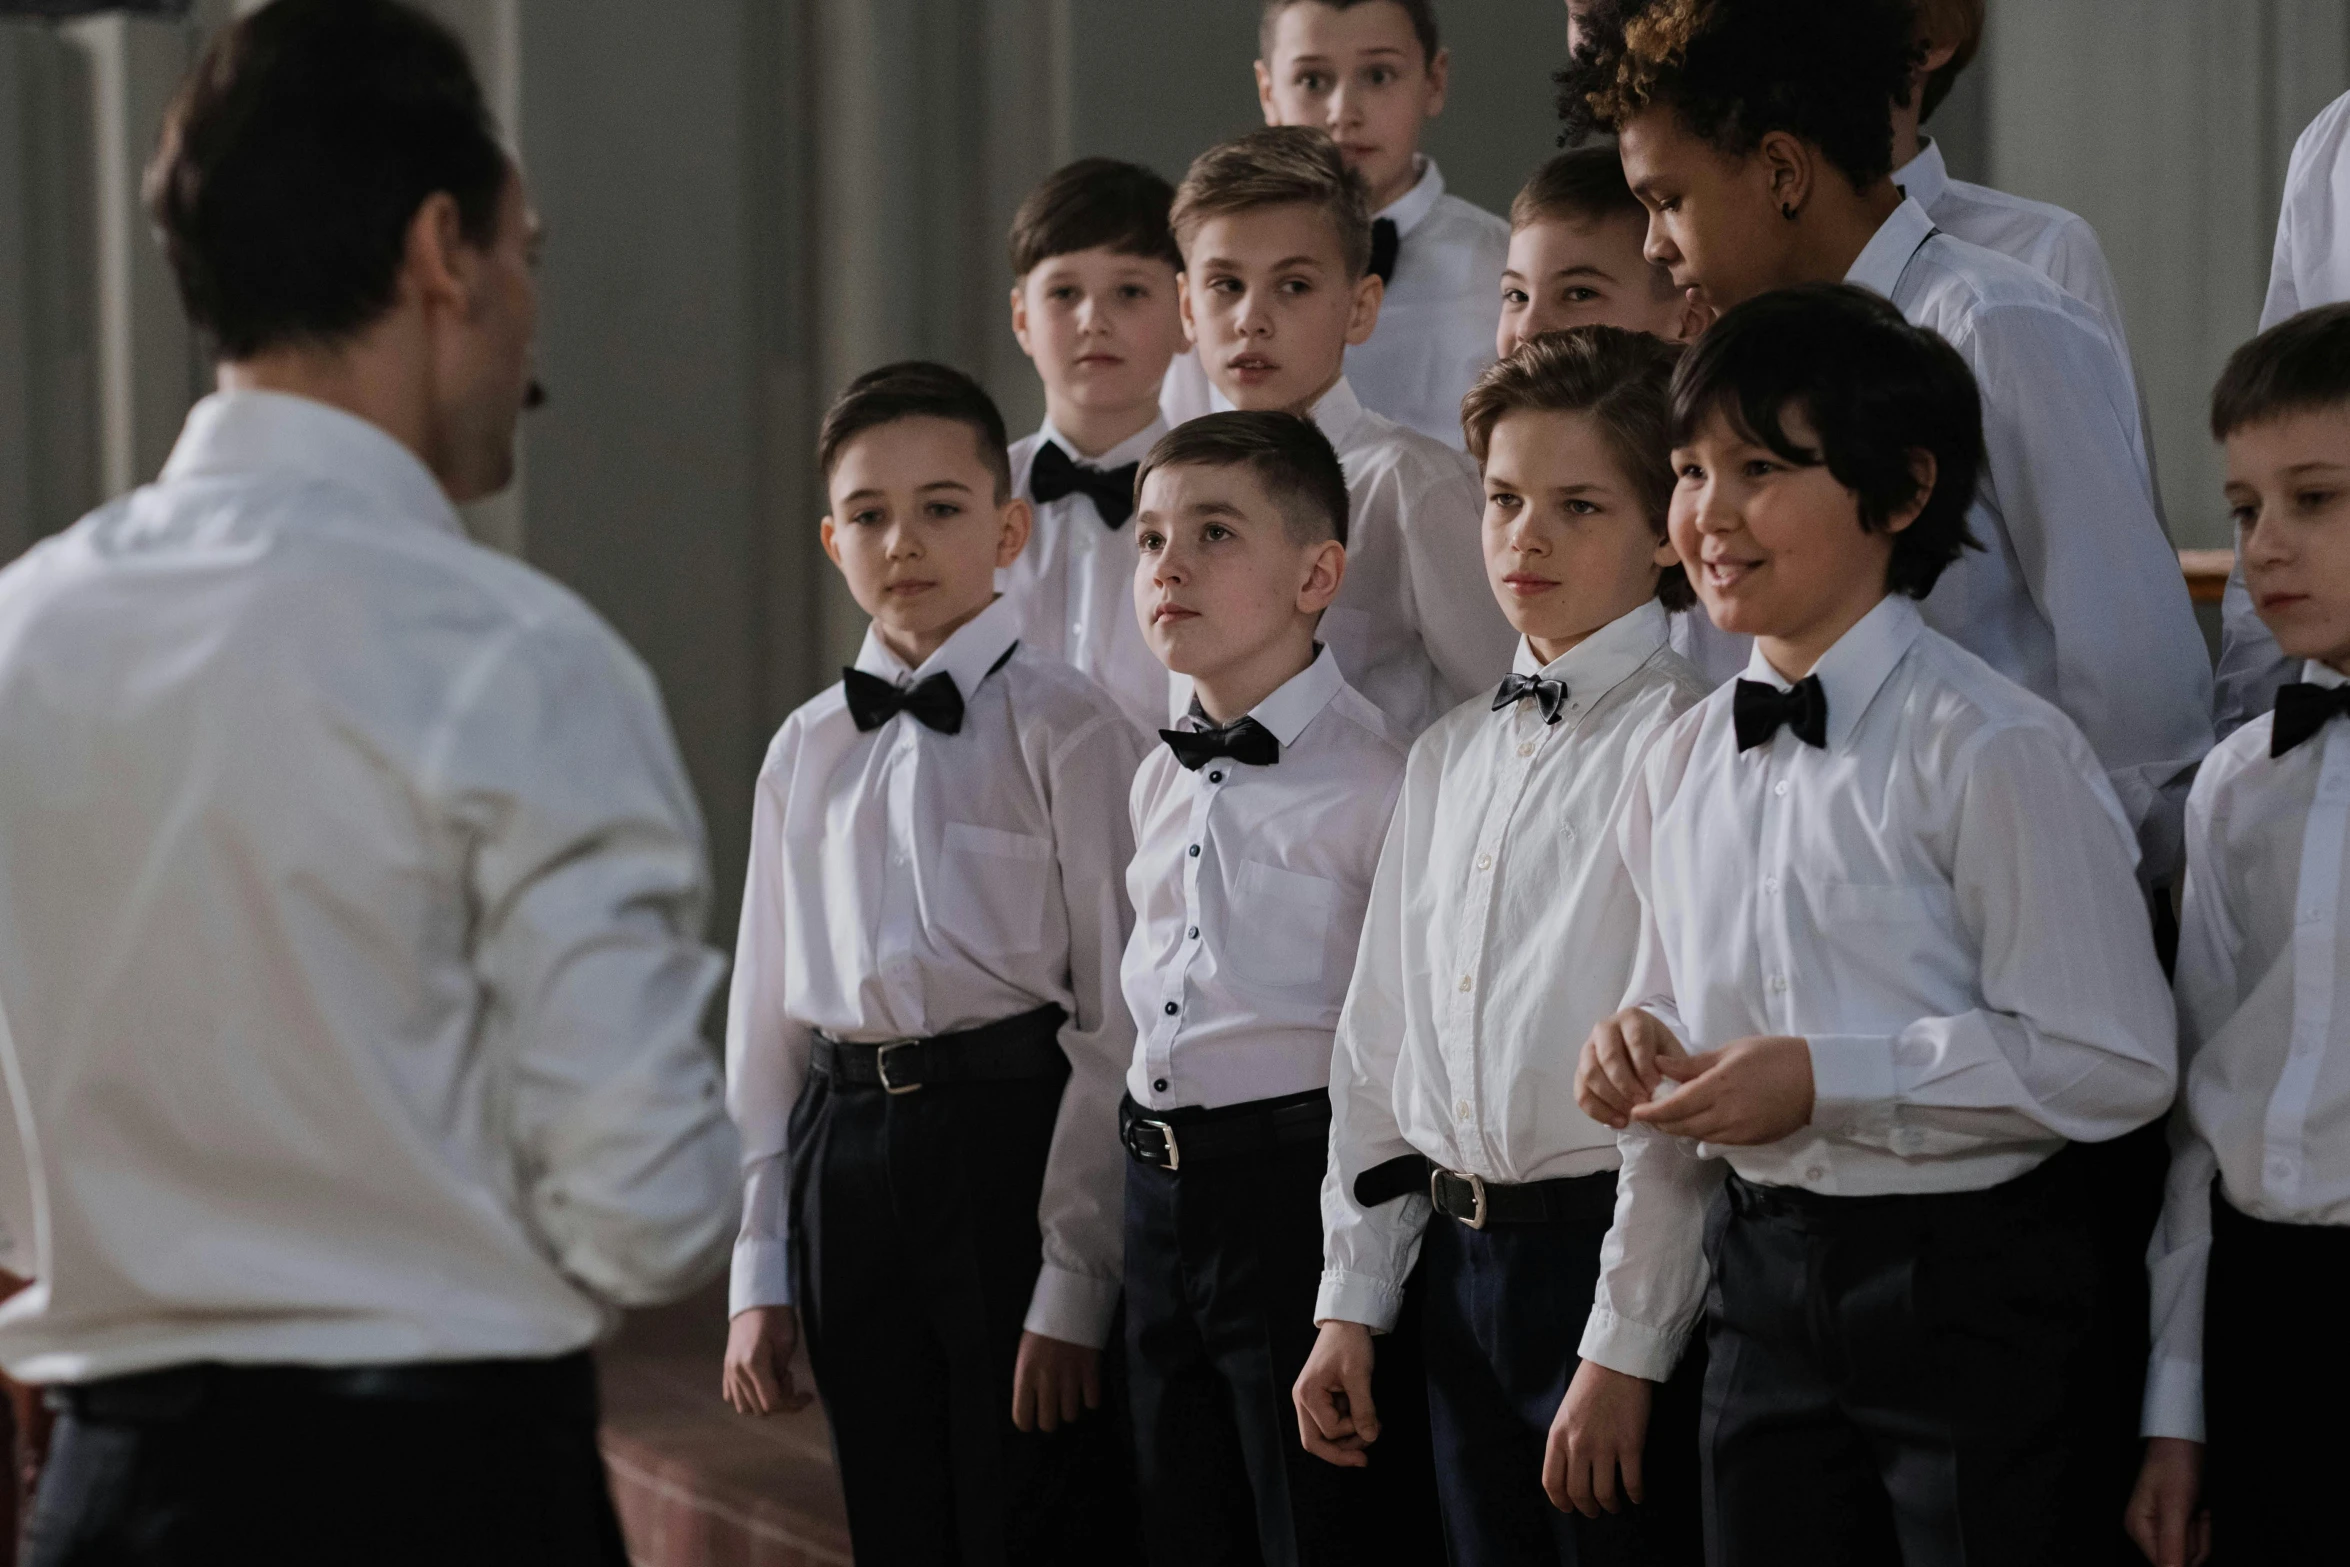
[{"x": 1787, "y": 211}]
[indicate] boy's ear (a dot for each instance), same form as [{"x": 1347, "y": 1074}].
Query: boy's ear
[
  {"x": 1364, "y": 318},
  {"x": 1922, "y": 469},
  {"x": 1020, "y": 316},
  {"x": 1017, "y": 518},
  {"x": 1666, "y": 557},
  {"x": 1265, "y": 93},
  {"x": 824, "y": 532},
  {"x": 1183, "y": 308},
  {"x": 1439, "y": 77},
  {"x": 1788, "y": 167},
  {"x": 1325, "y": 567}
]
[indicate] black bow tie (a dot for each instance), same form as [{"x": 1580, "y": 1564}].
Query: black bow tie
[
  {"x": 1055, "y": 474},
  {"x": 1384, "y": 242},
  {"x": 1758, "y": 708},
  {"x": 874, "y": 701},
  {"x": 2302, "y": 710},
  {"x": 1244, "y": 740},
  {"x": 1552, "y": 694}
]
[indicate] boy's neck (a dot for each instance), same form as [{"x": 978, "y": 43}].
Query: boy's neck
[
  {"x": 1094, "y": 431},
  {"x": 1840, "y": 227},
  {"x": 1799, "y": 653},
  {"x": 1415, "y": 169},
  {"x": 1235, "y": 690},
  {"x": 914, "y": 649},
  {"x": 1551, "y": 649},
  {"x": 1908, "y": 142}
]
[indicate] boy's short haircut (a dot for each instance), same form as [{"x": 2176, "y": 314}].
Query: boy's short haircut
[
  {"x": 1422, "y": 13},
  {"x": 2297, "y": 366},
  {"x": 1288, "y": 453},
  {"x": 915, "y": 389},
  {"x": 1958, "y": 23},
  {"x": 1586, "y": 185},
  {"x": 1623, "y": 383},
  {"x": 1279, "y": 166},
  {"x": 1826, "y": 71},
  {"x": 1095, "y": 203},
  {"x": 1872, "y": 387},
  {"x": 295, "y": 157}
]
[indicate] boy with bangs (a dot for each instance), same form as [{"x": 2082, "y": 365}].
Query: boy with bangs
[
  {"x": 1094, "y": 305},
  {"x": 1276, "y": 241},
  {"x": 1455, "y": 1141},
  {"x": 1372, "y": 73},
  {"x": 1575, "y": 258},
  {"x": 1892, "y": 959}
]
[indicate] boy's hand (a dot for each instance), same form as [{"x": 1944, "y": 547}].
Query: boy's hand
[
  {"x": 759, "y": 1346},
  {"x": 1601, "y": 1427},
  {"x": 1618, "y": 1069},
  {"x": 1054, "y": 1382},
  {"x": 2166, "y": 1515},
  {"x": 1749, "y": 1092},
  {"x": 1335, "y": 1416}
]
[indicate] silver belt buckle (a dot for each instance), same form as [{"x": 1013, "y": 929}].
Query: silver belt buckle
[
  {"x": 1476, "y": 1218},
  {"x": 1166, "y": 1137},
  {"x": 881, "y": 1067}
]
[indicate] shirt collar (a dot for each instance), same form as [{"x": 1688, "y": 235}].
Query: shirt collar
[
  {"x": 1886, "y": 256},
  {"x": 2322, "y": 674},
  {"x": 1603, "y": 660},
  {"x": 251, "y": 433},
  {"x": 1339, "y": 412},
  {"x": 1406, "y": 211},
  {"x": 1132, "y": 449},
  {"x": 976, "y": 647},
  {"x": 1299, "y": 700},
  {"x": 1852, "y": 672},
  {"x": 1925, "y": 177}
]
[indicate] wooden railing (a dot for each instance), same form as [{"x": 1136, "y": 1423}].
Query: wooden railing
[{"x": 2207, "y": 573}]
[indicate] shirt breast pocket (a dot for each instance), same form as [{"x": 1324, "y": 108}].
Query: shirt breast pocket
[
  {"x": 992, "y": 888},
  {"x": 1281, "y": 924}
]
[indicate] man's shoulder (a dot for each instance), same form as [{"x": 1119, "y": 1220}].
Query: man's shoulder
[
  {"x": 1462, "y": 222},
  {"x": 1977, "y": 291},
  {"x": 1964, "y": 704},
  {"x": 1380, "y": 447},
  {"x": 1054, "y": 700}
]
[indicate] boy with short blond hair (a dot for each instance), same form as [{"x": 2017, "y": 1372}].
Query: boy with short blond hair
[
  {"x": 1373, "y": 73},
  {"x": 1455, "y": 1143},
  {"x": 1276, "y": 238},
  {"x": 924, "y": 1037},
  {"x": 1094, "y": 304}
]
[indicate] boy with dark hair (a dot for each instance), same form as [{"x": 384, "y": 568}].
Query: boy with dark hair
[
  {"x": 1454, "y": 1142},
  {"x": 1276, "y": 238},
  {"x": 1372, "y": 73},
  {"x": 1576, "y": 232},
  {"x": 1257, "y": 829},
  {"x": 1892, "y": 958},
  {"x": 1094, "y": 305},
  {"x": 2256, "y": 1226},
  {"x": 924, "y": 1037}
]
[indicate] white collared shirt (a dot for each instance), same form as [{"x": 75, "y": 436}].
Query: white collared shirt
[
  {"x": 1501, "y": 928},
  {"x": 1441, "y": 311},
  {"x": 2076, "y": 593},
  {"x": 353, "y": 977},
  {"x": 1248, "y": 885},
  {"x": 906, "y": 884},
  {"x": 1075, "y": 584},
  {"x": 2264, "y": 1031},
  {"x": 1941, "y": 901}
]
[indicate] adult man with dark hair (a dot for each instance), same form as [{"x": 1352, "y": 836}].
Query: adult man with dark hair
[{"x": 349, "y": 926}]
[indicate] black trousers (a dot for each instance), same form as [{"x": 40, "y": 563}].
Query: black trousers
[
  {"x": 2119, "y": 1185},
  {"x": 2276, "y": 1377},
  {"x": 217, "y": 1466},
  {"x": 1896, "y": 1379},
  {"x": 915, "y": 1250},
  {"x": 1223, "y": 1261},
  {"x": 1505, "y": 1313}
]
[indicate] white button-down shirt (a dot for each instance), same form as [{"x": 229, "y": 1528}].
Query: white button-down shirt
[
  {"x": 1941, "y": 901},
  {"x": 1249, "y": 884},
  {"x": 1075, "y": 585},
  {"x": 2076, "y": 593},
  {"x": 2263, "y": 1029},
  {"x": 1441, "y": 311},
  {"x": 352, "y": 978},
  {"x": 906, "y": 884},
  {"x": 1501, "y": 928}
]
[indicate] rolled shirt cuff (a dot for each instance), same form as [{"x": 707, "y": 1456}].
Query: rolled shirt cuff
[
  {"x": 2174, "y": 1400},
  {"x": 1358, "y": 1297},
  {"x": 1073, "y": 1307},
  {"x": 1851, "y": 1077},
  {"x": 1633, "y": 1348},
  {"x": 760, "y": 1275}
]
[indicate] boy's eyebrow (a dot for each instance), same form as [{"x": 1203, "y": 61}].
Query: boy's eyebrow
[
  {"x": 1285, "y": 261},
  {"x": 1215, "y": 509},
  {"x": 2315, "y": 465}
]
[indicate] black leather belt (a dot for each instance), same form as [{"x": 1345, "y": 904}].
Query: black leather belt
[
  {"x": 1477, "y": 1202},
  {"x": 1018, "y": 1047},
  {"x": 565, "y": 1384},
  {"x": 1172, "y": 1139}
]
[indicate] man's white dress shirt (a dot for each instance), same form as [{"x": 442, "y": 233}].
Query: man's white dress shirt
[
  {"x": 906, "y": 884},
  {"x": 1941, "y": 901},
  {"x": 349, "y": 930},
  {"x": 1440, "y": 313},
  {"x": 1249, "y": 884},
  {"x": 2264, "y": 1032},
  {"x": 1501, "y": 928},
  {"x": 2076, "y": 594},
  {"x": 1074, "y": 584}
]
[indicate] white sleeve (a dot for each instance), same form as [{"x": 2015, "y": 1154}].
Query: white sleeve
[
  {"x": 2284, "y": 297},
  {"x": 1462, "y": 628}
]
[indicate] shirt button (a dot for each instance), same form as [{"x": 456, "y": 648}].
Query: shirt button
[
  {"x": 1484, "y": 862},
  {"x": 1465, "y": 982},
  {"x": 1192, "y": 934},
  {"x": 1170, "y": 1009},
  {"x": 1779, "y": 788},
  {"x": 1195, "y": 851},
  {"x": 1215, "y": 777},
  {"x": 1461, "y": 1109},
  {"x": 1158, "y": 1085},
  {"x": 1778, "y": 982},
  {"x": 1815, "y": 1174},
  {"x": 1771, "y": 886},
  {"x": 1526, "y": 749}
]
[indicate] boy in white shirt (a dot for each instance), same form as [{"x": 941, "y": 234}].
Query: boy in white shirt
[
  {"x": 1257, "y": 829},
  {"x": 1276, "y": 243},
  {"x": 1454, "y": 1078},
  {"x": 1893, "y": 957},
  {"x": 2255, "y": 1232},
  {"x": 1095, "y": 308},
  {"x": 924, "y": 1037},
  {"x": 1373, "y": 73}
]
